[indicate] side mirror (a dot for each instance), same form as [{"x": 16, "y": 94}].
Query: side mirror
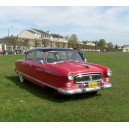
[
  {"x": 85, "y": 60},
  {"x": 41, "y": 61}
]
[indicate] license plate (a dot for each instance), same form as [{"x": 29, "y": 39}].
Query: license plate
[{"x": 92, "y": 84}]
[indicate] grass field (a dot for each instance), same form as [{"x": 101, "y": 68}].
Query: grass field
[{"x": 28, "y": 102}]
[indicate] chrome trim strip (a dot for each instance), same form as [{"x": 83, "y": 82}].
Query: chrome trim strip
[
  {"x": 83, "y": 90},
  {"x": 88, "y": 73},
  {"x": 35, "y": 79}
]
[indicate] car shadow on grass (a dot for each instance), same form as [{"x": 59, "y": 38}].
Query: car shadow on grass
[{"x": 48, "y": 93}]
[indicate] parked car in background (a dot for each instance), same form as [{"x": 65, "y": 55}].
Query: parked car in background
[
  {"x": 19, "y": 52},
  {"x": 63, "y": 70},
  {"x": 6, "y": 52},
  {"x": 2, "y": 52},
  {"x": 9, "y": 52}
]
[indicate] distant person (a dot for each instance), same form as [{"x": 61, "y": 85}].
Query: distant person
[{"x": 81, "y": 55}]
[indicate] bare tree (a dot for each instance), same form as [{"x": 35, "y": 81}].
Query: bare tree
[
  {"x": 45, "y": 42},
  {"x": 12, "y": 40},
  {"x": 25, "y": 43},
  {"x": 37, "y": 43},
  {"x": 58, "y": 44}
]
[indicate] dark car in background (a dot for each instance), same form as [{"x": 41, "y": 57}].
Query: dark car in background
[
  {"x": 19, "y": 52},
  {"x": 6, "y": 52}
]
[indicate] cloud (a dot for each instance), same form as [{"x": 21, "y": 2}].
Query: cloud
[{"x": 89, "y": 23}]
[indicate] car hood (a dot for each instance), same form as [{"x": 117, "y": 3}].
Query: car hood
[{"x": 77, "y": 67}]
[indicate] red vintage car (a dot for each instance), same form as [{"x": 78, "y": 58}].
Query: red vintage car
[{"x": 63, "y": 70}]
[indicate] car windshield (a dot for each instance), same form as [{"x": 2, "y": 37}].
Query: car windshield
[{"x": 61, "y": 56}]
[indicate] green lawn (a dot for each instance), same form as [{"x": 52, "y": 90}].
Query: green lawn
[{"x": 28, "y": 102}]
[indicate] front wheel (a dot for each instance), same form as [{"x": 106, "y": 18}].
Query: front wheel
[{"x": 94, "y": 92}]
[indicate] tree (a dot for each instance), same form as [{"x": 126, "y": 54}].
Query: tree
[
  {"x": 25, "y": 43},
  {"x": 58, "y": 44},
  {"x": 63, "y": 45},
  {"x": 74, "y": 38},
  {"x": 72, "y": 41},
  {"x": 13, "y": 41},
  {"x": 102, "y": 43},
  {"x": 45, "y": 42},
  {"x": 37, "y": 43},
  {"x": 116, "y": 47},
  {"x": 85, "y": 42},
  {"x": 110, "y": 45}
]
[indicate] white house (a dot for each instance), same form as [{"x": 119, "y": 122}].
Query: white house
[
  {"x": 125, "y": 48},
  {"x": 33, "y": 34},
  {"x": 3, "y": 45},
  {"x": 90, "y": 43},
  {"x": 39, "y": 34}
]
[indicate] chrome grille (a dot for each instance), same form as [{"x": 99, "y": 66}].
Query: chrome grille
[{"x": 84, "y": 78}]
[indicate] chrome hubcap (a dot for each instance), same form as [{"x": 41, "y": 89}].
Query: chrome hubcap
[{"x": 21, "y": 78}]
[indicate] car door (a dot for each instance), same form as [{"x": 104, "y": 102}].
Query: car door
[
  {"x": 39, "y": 68},
  {"x": 28, "y": 64}
]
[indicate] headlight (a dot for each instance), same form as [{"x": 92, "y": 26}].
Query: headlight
[
  {"x": 109, "y": 72},
  {"x": 70, "y": 76}
]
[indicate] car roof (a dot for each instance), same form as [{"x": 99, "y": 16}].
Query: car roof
[{"x": 50, "y": 49}]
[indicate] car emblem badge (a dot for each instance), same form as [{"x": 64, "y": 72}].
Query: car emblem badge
[{"x": 90, "y": 77}]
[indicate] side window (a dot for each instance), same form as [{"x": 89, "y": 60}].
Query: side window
[
  {"x": 61, "y": 56},
  {"x": 39, "y": 56},
  {"x": 51, "y": 57},
  {"x": 30, "y": 56}
]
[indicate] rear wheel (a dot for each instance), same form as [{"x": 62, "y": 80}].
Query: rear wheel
[{"x": 21, "y": 78}]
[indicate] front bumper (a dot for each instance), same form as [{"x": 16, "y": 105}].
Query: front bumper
[{"x": 83, "y": 90}]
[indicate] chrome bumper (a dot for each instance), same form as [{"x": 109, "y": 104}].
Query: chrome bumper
[
  {"x": 106, "y": 86},
  {"x": 83, "y": 90}
]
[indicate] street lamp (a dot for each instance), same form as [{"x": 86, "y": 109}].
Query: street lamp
[{"x": 9, "y": 29}]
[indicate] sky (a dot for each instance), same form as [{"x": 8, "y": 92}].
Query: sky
[{"x": 90, "y": 23}]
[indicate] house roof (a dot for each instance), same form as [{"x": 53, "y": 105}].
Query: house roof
[
  {"x": 125, "y": 45},
  {"x": 52, "y": 34},
  {"x": 34, "y": 31},
  {"x": 31, "y": 31},
  {"x": 39, "y": 31},
  {"x": 56, "y": 36}
]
